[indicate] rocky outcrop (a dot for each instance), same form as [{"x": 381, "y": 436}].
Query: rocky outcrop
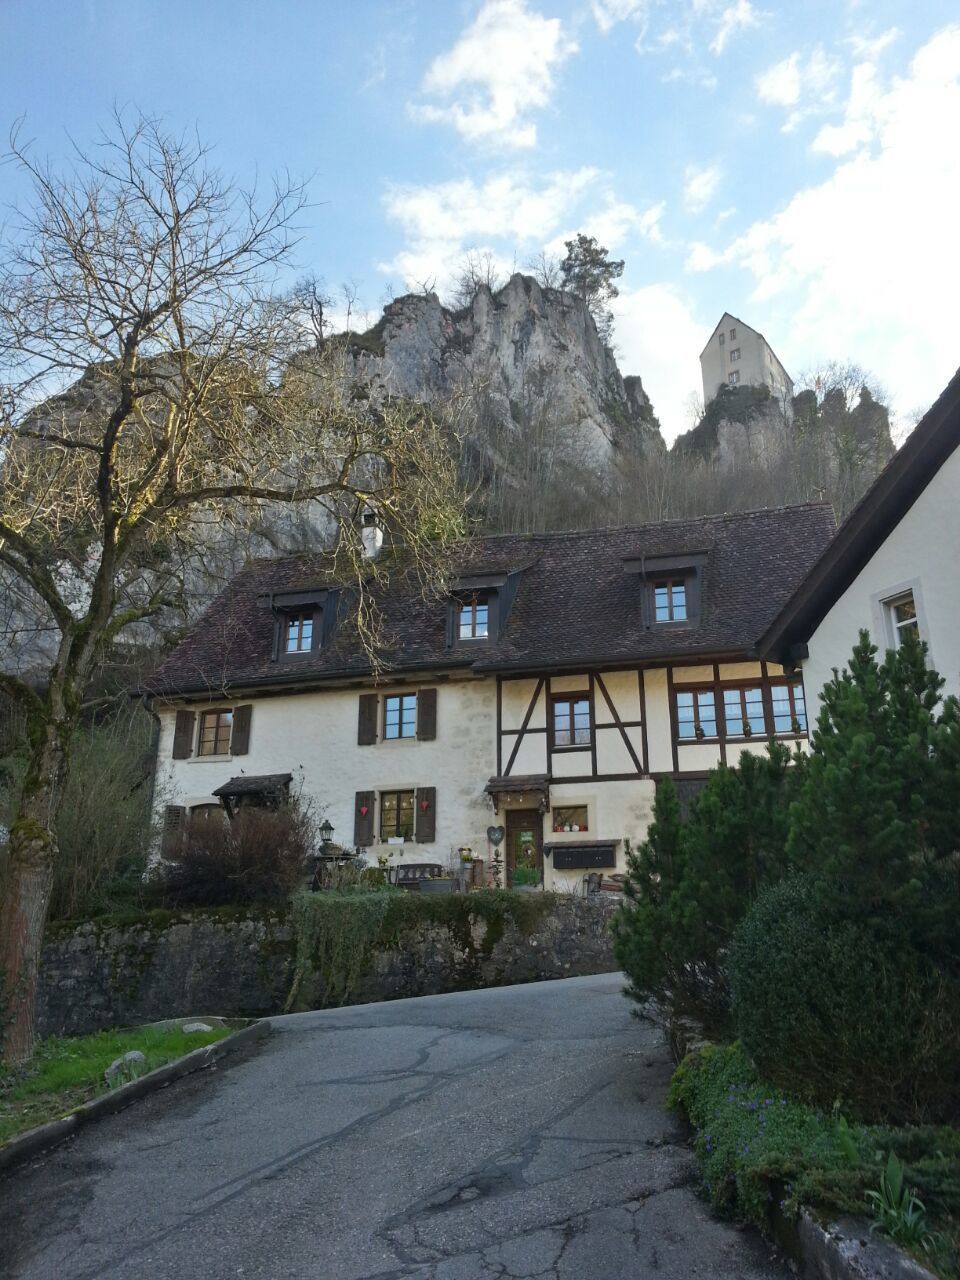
[{"x": 517, "y": 354}]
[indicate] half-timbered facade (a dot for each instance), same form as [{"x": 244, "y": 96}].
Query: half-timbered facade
[{"x": 565, "y": 674}]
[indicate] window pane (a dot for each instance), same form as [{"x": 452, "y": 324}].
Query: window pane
[
  {"x": 754, "y": 703},
  {"x": 481, "y": 620},
  {"x": 782, "y": 715},
  {"x": 391, "y": 717},
  {"x": 685, "y": 721},
  {"x": 679, "y": 596},
  {"x": 708, "y": 713},
  {"x": 800, "y": 709},
  {"x": 405, "y": 823},
  {"x": 408, "y": 725},
  {"x": 662, "y": 599},
  {"x": 224, "y": 725},
  {"x": 561, "y": 724},
  {"x": 306, "y": 633},
  {"x": 905, "y": 611},
  {"x": 581, "y": 721},
  {"x": 733, "y": 712},
  {"x": 388, "y": 814}
]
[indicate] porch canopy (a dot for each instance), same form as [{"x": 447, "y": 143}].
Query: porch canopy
[
  {"x": 520, "y": 786},
  {"x": 263, "y": 791}
]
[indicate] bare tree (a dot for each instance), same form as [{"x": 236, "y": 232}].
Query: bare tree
[
  {"x": 147, "y": 277},
  {"x": 545, "y": 269},
  {"x": 477, "y": 269},
  {"x": 309, "y": 293}
]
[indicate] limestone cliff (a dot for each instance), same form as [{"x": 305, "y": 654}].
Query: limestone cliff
[{"x": 522, "y": 353}]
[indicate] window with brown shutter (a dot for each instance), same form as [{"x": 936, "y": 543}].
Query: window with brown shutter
[
  {"x": 183, "y": 735},
  {"x": 367, "y": 721},
  {"x": 363, "y": 818},
  {"x": 216, "y": 729},
  {"x": 426, "y": 815},
  {"x": 240, "y": 737},
  {"x": 427, "y": 715}
]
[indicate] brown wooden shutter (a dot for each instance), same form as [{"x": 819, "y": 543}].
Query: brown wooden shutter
[
  {"x": 427, "y": 715},
  {"x": 426, "y": 819},
  {"x": 363, "y": 818},
  {"x": 367, "y": 722},
  {"x": 240, "y": 736},
  {"x": 183, "y": 735},
  {"x": 174, "y": 818}
]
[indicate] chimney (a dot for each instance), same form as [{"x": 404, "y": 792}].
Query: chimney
[{"x": 371, "y": 535}]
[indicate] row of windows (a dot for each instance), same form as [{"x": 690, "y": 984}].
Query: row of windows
[{"x": 742, "y": 712}]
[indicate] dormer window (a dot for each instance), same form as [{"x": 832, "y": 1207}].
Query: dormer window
[
  {"x": 670, "y": 600},
  {"x": 473, "y": 618},
  {"x": 303, "y": 621},
  {"x": 298, "y": 632}
]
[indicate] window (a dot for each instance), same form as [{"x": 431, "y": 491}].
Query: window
[
  {"x": 215, "y": 730},
  {"x": 734, "y": 355},
  {"x": 696, "y": 714},
  {"x": 400, "y": 716},
  {"x": 298, "y": 633},
  {"x": 670, "y": 600},
  {"x": 733, "y": 334},
  {"x": 789, "y": 711},
  {"x": 473, "y": 618},
  {"x": 902, "y": 612},
  {"x": 723, "y": 338},
  {"x": 734, "y": 377},
  {"x": 743, "y": 712},
  {"x": 571, "y": 818},
  {"x": 396, "y": 815},
  {"x": 571, "y": 721}
]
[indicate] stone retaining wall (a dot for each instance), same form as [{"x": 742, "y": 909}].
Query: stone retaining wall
[{"x": 240, "y": 963}]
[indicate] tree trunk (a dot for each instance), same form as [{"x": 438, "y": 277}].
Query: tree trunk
[{"x": 28, "y": 883}]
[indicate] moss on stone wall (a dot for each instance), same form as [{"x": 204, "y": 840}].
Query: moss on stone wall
[{"x": 338, "y": 934}]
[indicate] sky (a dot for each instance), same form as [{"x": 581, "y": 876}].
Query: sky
[{"x": 796, "y": 164}]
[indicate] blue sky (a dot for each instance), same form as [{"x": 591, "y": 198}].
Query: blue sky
[{"x": 796, "y": 164}]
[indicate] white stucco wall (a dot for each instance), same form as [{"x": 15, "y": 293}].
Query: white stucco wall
[
  {"x": 920, "y": 554},
  {"x": 314, "y": 737},
  {"x": 757, "y": 366}
]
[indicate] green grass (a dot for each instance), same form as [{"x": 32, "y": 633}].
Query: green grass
[
  {"x": 760, "y": 1149},
  {"x": 65, "y": 1072}
]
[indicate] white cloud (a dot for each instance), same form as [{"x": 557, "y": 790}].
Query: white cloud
[
  {"x": 659, "y": 338},
  {"x": 699, "y": 185},
  {"x": 860, "y": 115},
  {"x": 736, "y": 17},
  {"x": 442, "y": 219},
  {"x": 780, "y": 84},
  {"x": 862, "y": 264},
  {"x": 807, "y": 85},
  {"x": 500, "y": 69},
  {"x": 870, "y": 47},
  {"x": 607, "y": 13}
]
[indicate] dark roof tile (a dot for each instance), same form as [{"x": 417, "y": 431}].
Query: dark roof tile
[{"x": 575, "y": 604}]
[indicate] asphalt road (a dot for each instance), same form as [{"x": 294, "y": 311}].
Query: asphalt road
[{"x": 491, "y": 1135}]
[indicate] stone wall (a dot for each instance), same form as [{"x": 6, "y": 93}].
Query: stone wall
[{"x": 240, "y": 963}]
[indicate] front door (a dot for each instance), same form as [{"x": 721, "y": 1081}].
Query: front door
[{"x": 524, "y": 848}]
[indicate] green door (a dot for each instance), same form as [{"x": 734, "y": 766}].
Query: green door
[{"x": 524, "y": 848}]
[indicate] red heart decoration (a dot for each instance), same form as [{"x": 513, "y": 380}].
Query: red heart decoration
[
  {"x": 364, "y": 810},
  {"x": 424, "y": 806}
]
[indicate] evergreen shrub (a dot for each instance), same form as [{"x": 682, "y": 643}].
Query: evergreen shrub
[
  {"x": 690, "y": 883},
  {"x": 839, "y": 1005}
]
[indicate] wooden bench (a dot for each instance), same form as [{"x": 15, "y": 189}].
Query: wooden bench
[{"x": 408, "y": 875}]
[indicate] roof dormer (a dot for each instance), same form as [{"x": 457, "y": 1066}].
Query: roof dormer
[{"x": 672, "y": 587}]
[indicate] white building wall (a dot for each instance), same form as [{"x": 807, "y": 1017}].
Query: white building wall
[
  {"x": 757, "y": 365},
  {"x": 314, "y": 737},
  {"x": 921, "y": 554}
]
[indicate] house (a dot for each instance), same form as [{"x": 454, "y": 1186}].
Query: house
[
  {"x": 893, "y": 566},
  {"x": 563, "y": 676},
  {"x": 737, "y": 354}
]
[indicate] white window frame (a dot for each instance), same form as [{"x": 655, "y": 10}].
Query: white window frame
[
  {"x": 733, "y": 378},
  {"x": 884, "y": 626}
]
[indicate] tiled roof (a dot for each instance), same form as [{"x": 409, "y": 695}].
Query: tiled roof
[{"x": 575, "y": 604}]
